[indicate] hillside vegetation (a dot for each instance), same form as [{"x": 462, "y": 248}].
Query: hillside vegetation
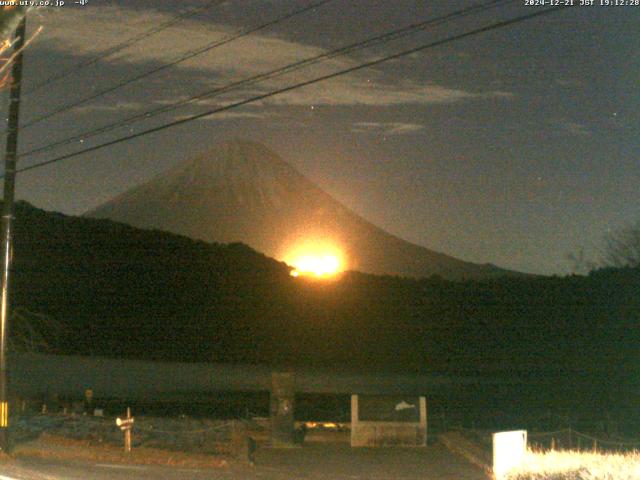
[{"x": 124, "y": 292}]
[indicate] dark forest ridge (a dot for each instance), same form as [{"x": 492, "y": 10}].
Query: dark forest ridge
[
  {"x": 149, "y": 294},
  {"x": 241, "y": 191}
]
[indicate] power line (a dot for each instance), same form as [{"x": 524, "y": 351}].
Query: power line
[
  {"x": 187, "y": 56},
  {"x": 384, "y": 38},
  {"x": 126, "y": 44},
  {"x": 493, "y": 26}
]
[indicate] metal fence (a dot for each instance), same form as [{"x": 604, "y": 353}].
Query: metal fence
[
  {"x": 570, "y": 439},
  {"x": 181, "y": 434}
]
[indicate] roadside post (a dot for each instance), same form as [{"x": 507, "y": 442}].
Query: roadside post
[
  {"x": 88, "y": 401},
  {"x": 126, "y": 425}
]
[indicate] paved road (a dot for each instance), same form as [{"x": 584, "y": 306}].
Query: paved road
[
  {"x": 37, "y": 469},
  {"x": 313, "y": 462}
]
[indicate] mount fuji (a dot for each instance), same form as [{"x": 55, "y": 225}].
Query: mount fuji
[{"x": 241, "y": 191}]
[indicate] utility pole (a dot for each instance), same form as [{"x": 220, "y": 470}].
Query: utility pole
[{"x": 7, "y": 224}]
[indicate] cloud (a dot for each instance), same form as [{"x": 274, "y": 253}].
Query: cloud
[
  {"x": 67, "y": 30},
  {"x": 108, "y": 108},
  {"x": 574, "y": 128},
  {"x": 387, "y": 128},
  {"x": 359, "y": 91},
  {"x": 228, "y": 115}
]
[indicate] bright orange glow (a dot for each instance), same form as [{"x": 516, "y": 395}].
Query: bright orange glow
[
  {"x": 321, "y": 266},
  {"x": 315, "y": 259}
]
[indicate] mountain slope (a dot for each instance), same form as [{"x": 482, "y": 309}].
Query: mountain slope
[{"x": 243, "y": 192}]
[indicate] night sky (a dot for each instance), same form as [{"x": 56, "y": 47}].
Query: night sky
[{"x": 517, "y": 147}]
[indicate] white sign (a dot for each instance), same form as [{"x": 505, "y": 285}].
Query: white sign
[
  {"x": 509, "y": 449},
  {"x": 124, "y": 423},
  {"x": 404, "y": 406}
]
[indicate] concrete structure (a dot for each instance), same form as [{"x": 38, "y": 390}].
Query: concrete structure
[
  {"x": 281, "y": 409},
  {"x": 383, "y": 420}
]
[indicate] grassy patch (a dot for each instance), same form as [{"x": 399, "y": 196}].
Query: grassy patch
[
  {"x": 571, "y": 465},
  {"x": 55, "y": 447}
]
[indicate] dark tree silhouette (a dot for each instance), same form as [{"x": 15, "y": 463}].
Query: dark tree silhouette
[{"x": 622, "y": 247}]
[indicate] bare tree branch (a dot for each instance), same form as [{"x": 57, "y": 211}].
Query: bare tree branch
[{"x": 622, "y": 247}]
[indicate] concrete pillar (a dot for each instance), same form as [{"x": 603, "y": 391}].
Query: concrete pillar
[
  {"x": 355, "y": 426},
  {"x": 281, "y": 409},
  {"x": 423, "y": 421}
]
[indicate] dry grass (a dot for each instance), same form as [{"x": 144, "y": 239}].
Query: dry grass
[
  {"x": 571, "y": 465},
  {"x": 56, "y": 447}
]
